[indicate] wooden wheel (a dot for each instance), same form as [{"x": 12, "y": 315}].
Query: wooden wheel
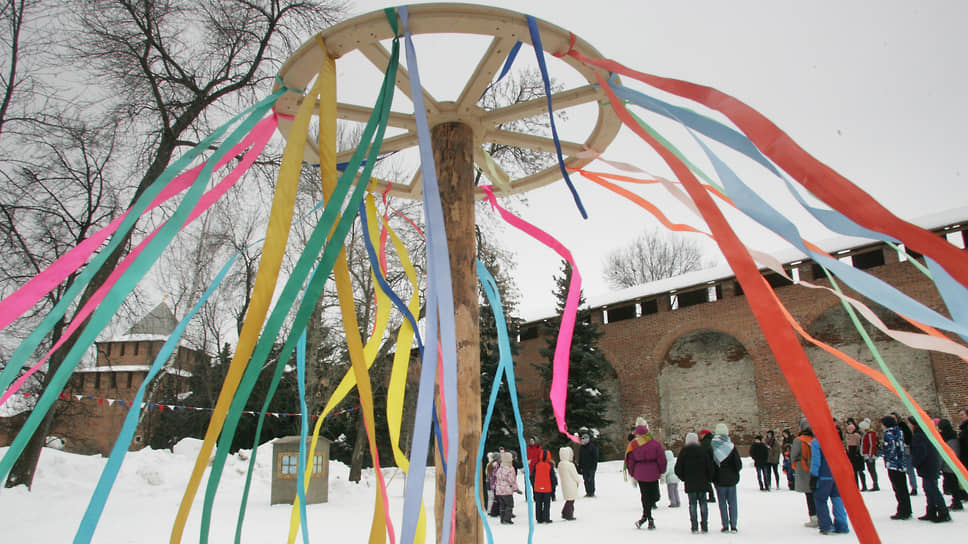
[{"x": 364, "y": 34}]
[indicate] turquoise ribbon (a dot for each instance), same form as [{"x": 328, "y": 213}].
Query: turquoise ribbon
[{"x": 505, "y": 369}]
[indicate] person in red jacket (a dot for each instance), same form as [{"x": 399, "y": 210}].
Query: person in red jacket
[
  {"x": 533, "y": 452},
  {"x": 544, "y": 481},
  {"x": 868, "y": 449},
  {"x": 646, "y": 460}
]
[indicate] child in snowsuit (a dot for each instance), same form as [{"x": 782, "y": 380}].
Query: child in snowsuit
[
  {"x": 505, "y": 485},
  {"x": 671, "y": 480},
  {"x": 568, "y": 474}
]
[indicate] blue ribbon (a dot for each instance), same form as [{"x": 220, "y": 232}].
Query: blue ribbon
[
  {"x": 536, "y": 42},
  {"x": 440, "y": 309}
]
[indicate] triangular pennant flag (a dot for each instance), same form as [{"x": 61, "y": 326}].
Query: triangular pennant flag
[{"x": 110, "y": 402}]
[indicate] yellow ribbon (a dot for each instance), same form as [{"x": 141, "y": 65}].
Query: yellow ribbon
[{"x": 276, "y": 238}]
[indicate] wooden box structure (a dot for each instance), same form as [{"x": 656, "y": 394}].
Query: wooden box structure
[{"x": 285, "y": 467}]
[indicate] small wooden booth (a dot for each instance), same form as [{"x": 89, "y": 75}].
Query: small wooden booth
[{"x": 285, "y": 470}]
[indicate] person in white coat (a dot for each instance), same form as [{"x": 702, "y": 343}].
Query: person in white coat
[{"x": 568, "y": 478}]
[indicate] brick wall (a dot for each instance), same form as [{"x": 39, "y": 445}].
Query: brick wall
[{"x": 692, "y": 367}]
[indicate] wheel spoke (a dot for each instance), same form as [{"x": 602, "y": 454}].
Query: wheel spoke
[
  {"x": 362, "y": 114},
  {"x": 396, "y": 143},
  {"x": 484, "y": 73},
  {"x": 380, "y": 57},
  {"x": 523, "y": 110},
  {"x": 529, "y": 141}
]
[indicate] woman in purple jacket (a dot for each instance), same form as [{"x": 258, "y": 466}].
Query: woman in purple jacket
[{"x": 646, "y": 460}]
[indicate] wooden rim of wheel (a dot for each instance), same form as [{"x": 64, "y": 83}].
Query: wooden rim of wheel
[{"x": 364, "y": 34}]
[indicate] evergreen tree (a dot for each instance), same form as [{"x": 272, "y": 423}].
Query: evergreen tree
[{"x": 587, "y": 402}]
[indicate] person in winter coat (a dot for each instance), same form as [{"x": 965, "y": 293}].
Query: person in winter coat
[
  {"x": 505, "y": 486},
  {"x": 696, "y": 470},
  {"x": 852, "y": 440},
  {"x": 543, "y": 481},
  {"x": 908, "y": 466},
  {"x": 533, "y": 452},
  {"x": 773, "y": 460},
  {"x": 963, "y": 435},
  {"x": 760, "y": 453},
  {"x": 963, "y": 438},
  {"x": 728, "y": 465},
  {"x": 800, "y": 458},
  {"x": 646, "y": 461},
  {"x": 588, "y": 463},
  {"x": 706, "y": 441},
  {"x": 868, "y": 450},
  {"x": 568, "y": 477},
  {"x": 671, "y": 480},
  {"x": 927, "y": 463},
  {"x": 892, "y": 450},
  {"x": 824, "y": 487},
  {"x": 493, "y": 462},
  {"x": 786, "y": 440},
  {"x": 949, "y": 482}
]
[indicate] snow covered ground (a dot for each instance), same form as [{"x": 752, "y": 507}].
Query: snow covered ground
[{"x": 149, "y": 490}]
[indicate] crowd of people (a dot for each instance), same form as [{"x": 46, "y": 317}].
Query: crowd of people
[
  {"x": 545, "y": 477},
  {"x": 708, "y": 466}
]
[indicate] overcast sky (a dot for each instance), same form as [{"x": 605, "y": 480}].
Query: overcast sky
[{"x": 873, "y": 89}]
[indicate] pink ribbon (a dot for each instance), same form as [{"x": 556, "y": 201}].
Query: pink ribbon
[
  {"x": 29, "y": 293},
  {"x": 559, "y": 379}
]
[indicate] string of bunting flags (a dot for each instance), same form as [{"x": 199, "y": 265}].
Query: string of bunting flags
[{"x": 163, "y": 406}]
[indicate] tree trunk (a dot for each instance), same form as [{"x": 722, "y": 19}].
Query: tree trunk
[
  {"x": 23, "y": 470},
  {"x": 356, "y": 459}
]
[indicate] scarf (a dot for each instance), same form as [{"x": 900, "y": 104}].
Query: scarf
[{"x": 722, "y": 447}]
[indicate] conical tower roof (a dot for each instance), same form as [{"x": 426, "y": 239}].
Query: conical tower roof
[{"x": 159, "y": 322}]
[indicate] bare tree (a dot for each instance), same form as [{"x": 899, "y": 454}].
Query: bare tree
[
  {"x": 653, "y": 255},
  {"x": 170, "y": 69},
  {"x": 515, "y": 88},
  {"x": 50, "y": 202}
]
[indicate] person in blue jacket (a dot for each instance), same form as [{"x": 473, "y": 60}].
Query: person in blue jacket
[{"x": 822, "y": 483}]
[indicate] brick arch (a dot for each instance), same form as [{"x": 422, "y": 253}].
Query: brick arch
[
  {"x": 707, "y": 376},
  {"x": 850, "y": 393}
]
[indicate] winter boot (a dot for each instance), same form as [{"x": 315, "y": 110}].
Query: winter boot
[
  {"x": 651, "y": 523},
  {"x": 813, "y": 523},
  {"x": 956, "y": 505},
  {"x": 638, "y": 524},
  {"x": 930, "y": 515},
  {"x": 694, "y": 528},
  {"x": 704, "y": 527},
  {"x": 942, "y": 515}
]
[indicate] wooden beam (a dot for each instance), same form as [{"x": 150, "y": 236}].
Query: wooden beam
[{"x": 453, "y": 145}]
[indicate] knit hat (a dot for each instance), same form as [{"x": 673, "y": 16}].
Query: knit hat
[
  {"x": 864, "y": 425},
  {"x": 722, "y": 429},
  {"x": 641, "y": 427},
  {"x": 704, "y": 432},
  {"x": 804, "y": 424},
  {"x": 692, "y": 438}
]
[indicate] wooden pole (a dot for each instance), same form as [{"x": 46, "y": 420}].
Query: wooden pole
[{"x": 453, "y": 145}]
